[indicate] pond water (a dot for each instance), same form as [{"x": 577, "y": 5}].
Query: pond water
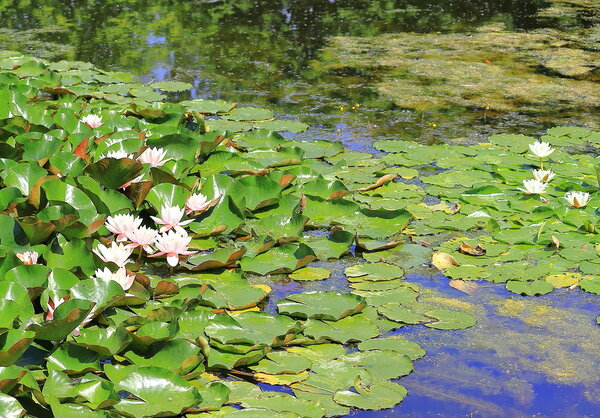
[{"x": 359, "y": 71}]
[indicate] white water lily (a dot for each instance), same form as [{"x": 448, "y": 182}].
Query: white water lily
[
  {"x": 52, "y": 305},
  {"x": 541, "y": 149},
  {"x": 142, "y": 237},
  {"x": 117, "y": 155},
  {"x": 120, "y": 276},
  {"x": 196, "y": 203},
  {"x": 116, "y": 253},
  {"x": 478, "y": 214},
  {"x": 170, "y": 217},
  {"x": 543, "y": 175},
  {"x": 577, "y": 199},
  {"x": 28, "y": 257},
  {"x": 122, "y": 225},
  {"x": 533, "y": 187},
  {"x": 173, "y": 244},
  {"x": 93, "y": 121},
  {"x": 153, "y": 156}
]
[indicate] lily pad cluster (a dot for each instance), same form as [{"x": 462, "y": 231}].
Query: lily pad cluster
[
  {"x": 532, "y": 239},
  {"x": 128, "y": 227}
]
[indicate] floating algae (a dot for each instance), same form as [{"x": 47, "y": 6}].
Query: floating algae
[
  {"x": 491, "y": 69},
  {"x": 551, "y": 349}
]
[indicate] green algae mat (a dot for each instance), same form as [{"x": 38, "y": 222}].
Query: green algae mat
[{"x": 130, "y": 228}]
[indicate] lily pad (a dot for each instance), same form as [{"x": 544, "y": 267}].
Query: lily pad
[
  {"x": 450, "y": 319},
  {"x": 310, "y": 274},
  {"x": 529, "y": 288},
  {"x": 321, "y": 305}
]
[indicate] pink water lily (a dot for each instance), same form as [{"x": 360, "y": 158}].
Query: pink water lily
[
  {"x": 28, "y": 257},
  {"x": 116, "y": 253},
  {"x": 120, "y": 276},
  {"x": 93, "y": 121},
  {"x": 52, "y": 305},
  {"x": 122, "y": 225},
  {"x": 77, "y": 331},
  {"x": 138, "y": 179},
  {"x": 173, "y": 244},
  {"x": 196, "y": 203},
  {"x": 154, "y": 156},
  {"x": 170, "y": 217},
  {"x": 142, "y": 237}
]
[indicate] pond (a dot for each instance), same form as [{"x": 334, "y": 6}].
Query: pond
[{"x": 433, "y": 72}]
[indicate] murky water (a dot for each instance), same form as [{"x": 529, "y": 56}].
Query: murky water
[{"x": 527, "y": 356}]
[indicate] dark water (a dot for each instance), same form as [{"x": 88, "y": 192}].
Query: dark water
[
  {"x": 268, "y": 53},
  {"x": 533, "y": 357}
]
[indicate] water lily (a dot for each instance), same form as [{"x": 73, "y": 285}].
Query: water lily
[
  {"x": 52, "y": 305},
  {"x": 533, "y": 187},
  {"x": 543, "y": 175},
  {"x": 478, "y": 214},
  {"x": 93, "y": 121},
  {"x": 116, "y": 253},
  {"x": 142, "y": 237},
  {"x": 153, "y": 156},
  {"x": 120, "y": 276},
  {"x": 196, "y": 203},
  {"x": 170, "y": 217},
  {"x": 174, "y": 244},
  {"x": 117, "y": 155},
  {"x": 28, "y": 257},
  {"x": 577, "y": 199},
  {"x": 541, "y": 149},
  {"x": 122, "y": 225},
  {"x": 138, "y": 179}
]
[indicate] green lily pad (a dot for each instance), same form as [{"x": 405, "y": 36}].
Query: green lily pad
[
  {"x": 590, "y": 285},
  {"x": 379, "y": 394},
  {"x": 351, "y": 328},
  {"x": 179, "y": 356},
  {"x": 409, "y": 348},
  {"x": 283, "y": 402},
  {"x": 529, "y": 288},
  {"x": 374, "y": 271},
  {"x": 382, "y": 364},
  {"x": 310, "y": 274},
  {"x": 13, "y": 344},
  {"x": 282, "y": 362},
  {"x": 321, "y": 305},
  {"x": 400, "y": 313},
  {"x": 450, "y": 319},
  {"x": 157, "y": 391},
  {"x": 253, "y": 328}
]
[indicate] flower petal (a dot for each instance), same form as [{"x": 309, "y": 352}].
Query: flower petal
[{"x": 172, "y": 259}]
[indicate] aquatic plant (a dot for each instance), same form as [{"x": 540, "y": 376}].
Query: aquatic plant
[{"x": 188, "y": 333}]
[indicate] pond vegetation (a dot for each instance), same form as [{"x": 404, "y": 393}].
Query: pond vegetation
[
  {"x": 166, "y": 254},
  {"x": 90, "y": 156}
]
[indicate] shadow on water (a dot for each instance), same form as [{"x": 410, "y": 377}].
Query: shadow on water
[
  {"x": 527, "y": 356},
  {"x": 269, "y": 54}
]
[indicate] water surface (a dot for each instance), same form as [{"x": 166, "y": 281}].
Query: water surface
[{"x": 527, "y": 356}]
